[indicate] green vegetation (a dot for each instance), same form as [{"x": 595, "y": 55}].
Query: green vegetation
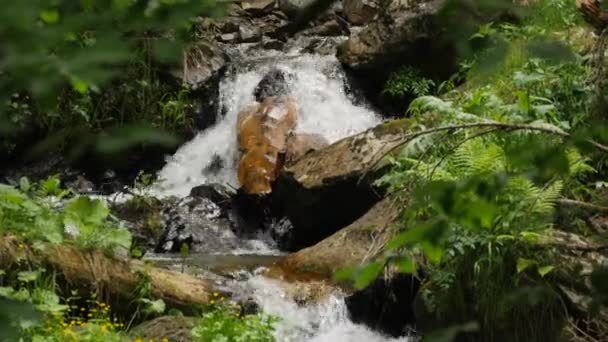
[
  {"x": 226, "y": 324},
  {"x": 31, "y": 212},
  {"x": 479, "y": 196},
  {"x": 72, "y": 69}
]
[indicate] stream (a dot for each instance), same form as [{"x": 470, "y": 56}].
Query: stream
[{"x": 325, "y": 106}]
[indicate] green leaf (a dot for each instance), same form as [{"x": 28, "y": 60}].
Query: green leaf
[
  {"x": 50, "y": 16},
  {"x": 523, "y": 264},
  {"x": 24, "y": 184},
  {"x": 345, "y": 274},
  {"x": 119, "y": 237},
  {"x": 406, "y": 265},
  {"x": 154, "y": 307},
  {"x": 79, "y": 85},
  {"x": 368, "y": 274},
  {"x": 14, "y": 314},
  {"x": 86, "y": 210},
  {"x": 28, "y": 276},
  {"x": 544, "y": 270}
]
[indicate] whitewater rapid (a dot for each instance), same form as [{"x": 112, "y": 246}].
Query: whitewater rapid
[
  {"x": 326, "y": 107},
  {"x": 320, "y": 88}
]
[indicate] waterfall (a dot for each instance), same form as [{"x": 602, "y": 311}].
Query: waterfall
[
  {"x": 324, "y": 106},
  {"x": 323, "y": 321}
]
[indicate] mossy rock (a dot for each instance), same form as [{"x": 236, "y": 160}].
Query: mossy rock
[{"x": 172, "y": 328}]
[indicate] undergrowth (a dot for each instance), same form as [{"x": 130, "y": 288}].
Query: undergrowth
[{"x": 477, "y": 203}]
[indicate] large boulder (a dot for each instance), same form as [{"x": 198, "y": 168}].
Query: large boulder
[
  {"x": 328, "y": 189},
  {"x": 293, "y": 7},
  {"x": 203, "y": 65},
  {"x": 360, "y": 12},
  {"x": 170, "y": 328},
  {"x": 403, "y": 32},
  {"x": 262, "y": 132}
]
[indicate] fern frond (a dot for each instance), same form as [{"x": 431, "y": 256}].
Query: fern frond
[
  {"x": 444, "y": 109},
  {"x": 577, "y": 164},
  {"x": 547, "y": 197},
  {"x": 477, "y": 157}
]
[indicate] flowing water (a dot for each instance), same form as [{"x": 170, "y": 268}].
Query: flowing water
[
  {"x": 317, "y": 82},
  {"x": 324, "y": 107}
]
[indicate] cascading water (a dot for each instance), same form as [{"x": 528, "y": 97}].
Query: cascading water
[
  {"x": 319, "y": 86},
  {"x": 324, "y": 321}
]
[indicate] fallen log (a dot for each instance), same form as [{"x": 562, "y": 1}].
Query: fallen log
[
  {"x": 107, "y": 276},
  {"x": 356, "y": 244}
]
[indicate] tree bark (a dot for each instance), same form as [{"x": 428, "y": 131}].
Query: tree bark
[{"x": 107, "y": 276}]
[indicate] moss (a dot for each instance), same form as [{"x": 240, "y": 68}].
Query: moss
[{"x": 393, "y": 127}]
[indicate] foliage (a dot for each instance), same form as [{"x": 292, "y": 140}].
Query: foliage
[
  {"x": 84, "y": 66},
  {"x": 407, "y": 82},
  {"x": 476, "y": 202},
  {"x": 225, "y": 324},
  {"x": 29, "y": 214}
]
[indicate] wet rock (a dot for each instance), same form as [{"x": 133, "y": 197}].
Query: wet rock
[
  {"x": 387, "y": 305},
  {"x": 322, "y": 45},
  {"x": 249, "y": 307},
  {"x": 258, "y": 7},
  {"x": 399, "y": 32},
  {"x": 217, "y": 193},
  {"x": 81, "y": 185},
  {"x": 205, "y": 64},
  {"x": 273, "y": 44},
  {"x": 326, "y": 190},
  {"x": 229, "y": 38},
  {"x": 359, "y": 241},
  {"x": 293, "y": 7},
  {"x": 360, "y": 12},
  {"x": 198, "y": 223},
  {"x": 142, "y": 216},
  {"x": 282, "y": 233},
  {"x": 173, "y": 328},
  {"x": 249, "y": 34},
  {"x": 327, "y": 29}
]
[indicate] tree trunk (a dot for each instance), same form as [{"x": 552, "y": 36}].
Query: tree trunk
[{"x": 107, "y": 276}]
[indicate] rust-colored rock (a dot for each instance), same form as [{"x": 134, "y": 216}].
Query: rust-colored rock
[{"x": 262, "y": 132}]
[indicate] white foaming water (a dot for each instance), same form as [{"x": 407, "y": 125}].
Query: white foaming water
[
  {"x": 318, "y": 84},
  {"x": 325, "y": 321}
]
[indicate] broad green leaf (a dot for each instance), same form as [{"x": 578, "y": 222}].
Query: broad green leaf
[
  {"x": 406, "y": 265},
  {"x": 345, "y": 274},
  {"x": 50, "y": 16},
  {"x": 523, "y": 264},
  {"x": 544, "y": 270},
  {"x": 86, "y": 210},
  {"x": 14, "y": 314},
  {"x": 368, "y": 274},
  {"x": 79, "y": 85},
  {"x": 154, "y": 306},
  {"x": 119, "y": 237}
]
